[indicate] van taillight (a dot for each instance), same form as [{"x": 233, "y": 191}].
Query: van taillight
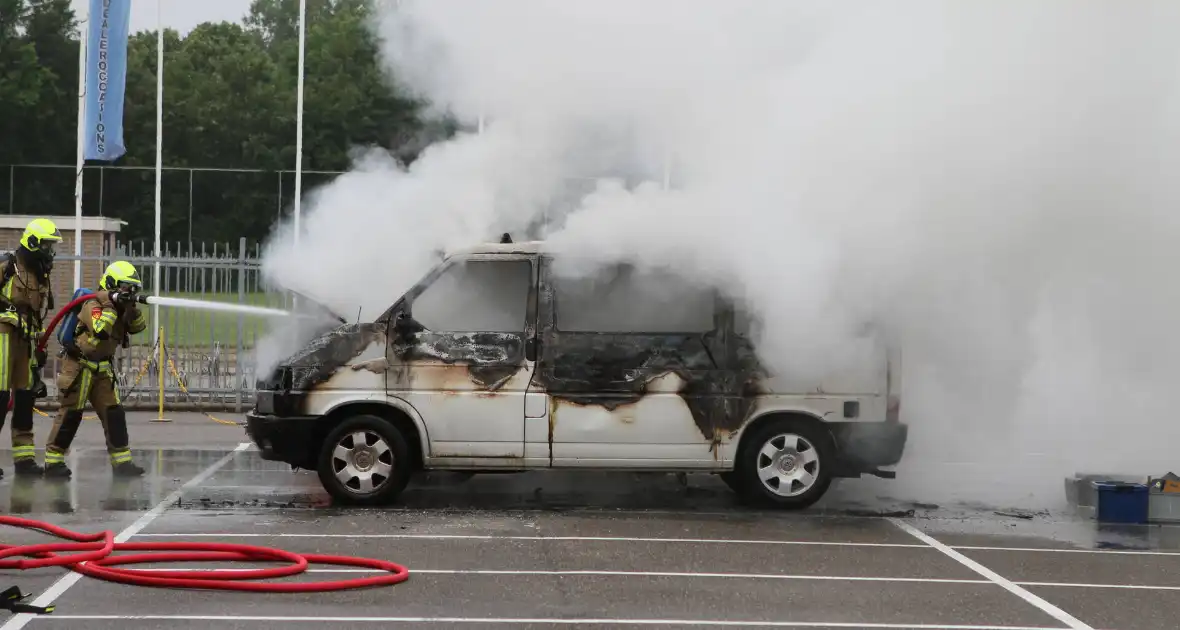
[{"x": 893, "y": 409}]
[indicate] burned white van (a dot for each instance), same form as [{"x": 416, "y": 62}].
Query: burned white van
[{"x": 498, "y": 360}]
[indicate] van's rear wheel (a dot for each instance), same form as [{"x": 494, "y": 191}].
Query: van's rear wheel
[
  {"x": 785, "y": 463},
  {"x": 364, "y": 460}
]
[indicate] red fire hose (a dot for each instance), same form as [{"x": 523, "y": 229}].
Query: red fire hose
[
  {"x": 92, "y": 556},
  {"x": 57, "y": 318}
]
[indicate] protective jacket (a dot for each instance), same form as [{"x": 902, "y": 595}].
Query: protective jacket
[
  {"x": 101, "y": 330},
  {"x": 24, "y": 297}
]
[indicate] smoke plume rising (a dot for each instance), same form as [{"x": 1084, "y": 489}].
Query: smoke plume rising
[{"x": 990, "y": 184}]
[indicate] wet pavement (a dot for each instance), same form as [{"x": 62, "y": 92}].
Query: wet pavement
[{"x": 592, "y": 550}]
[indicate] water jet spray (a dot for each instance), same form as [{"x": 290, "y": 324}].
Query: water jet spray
[{"x": 215, "y": 306}]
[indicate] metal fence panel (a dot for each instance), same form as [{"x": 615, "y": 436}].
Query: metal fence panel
[{"x": 205, "y": 360}]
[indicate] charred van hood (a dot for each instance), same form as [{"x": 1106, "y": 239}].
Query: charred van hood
[
  {"x": 323, "y": 356},
  {"x": 336, "y": 345}
]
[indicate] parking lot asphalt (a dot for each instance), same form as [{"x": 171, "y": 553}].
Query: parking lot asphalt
[{"x": 591, "y": 550}]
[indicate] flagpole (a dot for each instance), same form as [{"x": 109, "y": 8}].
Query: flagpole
[
  {"x": 299, "y": 117},
  {"x": 83, "y": 26},
  {"x": 159, "y": 158}
]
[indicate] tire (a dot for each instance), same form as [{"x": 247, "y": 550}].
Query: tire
[
  {"x": 732, "y": 480},
  {"x": 796, "y": 457},
  {"x": 375, "y": 475}
]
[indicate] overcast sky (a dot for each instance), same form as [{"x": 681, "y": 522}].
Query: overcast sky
[{"x": 181, "y": 15}]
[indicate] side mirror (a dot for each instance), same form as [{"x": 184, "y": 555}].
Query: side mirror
[{"x": 406, "y": 326}]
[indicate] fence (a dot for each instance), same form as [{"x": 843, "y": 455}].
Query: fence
[
  {"x": 207, "y": 359},
  {"x": 259, "y": 197},
  {"x": 128, "y": 192}
]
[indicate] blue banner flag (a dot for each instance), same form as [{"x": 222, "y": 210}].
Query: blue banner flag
[{"x": 106, "y": 78}]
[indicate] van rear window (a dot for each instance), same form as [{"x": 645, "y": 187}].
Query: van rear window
[{"x": 623, "y": 299}]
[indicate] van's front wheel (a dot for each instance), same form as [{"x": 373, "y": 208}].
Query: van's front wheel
[
  {"x": 364, "y": 460},
  {"x": 785, "y": 463}
]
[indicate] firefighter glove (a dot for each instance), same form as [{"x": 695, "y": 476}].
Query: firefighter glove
[{"x": 122, "y": 298}]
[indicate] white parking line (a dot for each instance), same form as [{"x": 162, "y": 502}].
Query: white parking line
[
  {"x": 721, "y": 541},
  {"x": 1109, "y": 552},
  {"x": 1053, "y": 611},
  {"x": 64, "y": 583},
  {"x": 675, "y": 574},
  {"x": 555, "y": 621},
  {"x": 639, "y": 539},
  {"x": 690, "y": 574}
]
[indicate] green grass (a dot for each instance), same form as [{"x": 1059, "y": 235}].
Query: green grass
[{"x": 200, "y": 328}]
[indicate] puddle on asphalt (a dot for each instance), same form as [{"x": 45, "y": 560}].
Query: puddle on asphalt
[{"x": 251, "y": 484}]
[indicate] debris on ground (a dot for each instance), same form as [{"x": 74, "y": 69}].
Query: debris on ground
[
  {"x": 1028, "y": 516},
  {"x": 880, "y": 513}
]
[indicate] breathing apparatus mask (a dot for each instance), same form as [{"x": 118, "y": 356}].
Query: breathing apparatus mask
[
  {"x": 40, "y": 241},
  {"x": 45, "y": 252},
  {"x": 125, "y": 293},
  {"x": 122, "y": 281}
]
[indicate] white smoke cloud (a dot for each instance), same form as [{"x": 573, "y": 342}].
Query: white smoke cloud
[{"x": 990, "y": 183}]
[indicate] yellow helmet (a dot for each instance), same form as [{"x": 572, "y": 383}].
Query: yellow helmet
[
  {"x": 40, "y": 234},
  {"x": 120, "y": 272}
]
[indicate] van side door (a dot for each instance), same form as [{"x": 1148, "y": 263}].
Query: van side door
[
  {"x": 467, "y": 373},
  {"x": 629, "y": 360}
]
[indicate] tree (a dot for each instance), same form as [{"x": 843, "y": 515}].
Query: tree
[
  {"x": 229, "y": 102},
  {"x": 38, "y": 79}
]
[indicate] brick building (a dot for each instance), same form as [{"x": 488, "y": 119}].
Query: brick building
[{"x": 99, "y": 235}]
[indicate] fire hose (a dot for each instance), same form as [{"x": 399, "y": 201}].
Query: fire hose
[{"x": 92, "y": 556}]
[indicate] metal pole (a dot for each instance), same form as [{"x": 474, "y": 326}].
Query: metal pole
[
  {"x": 238, "y": 358},
  {"x": 279, "y": 213},
  {"x": 190, "y": 208},
  {"x": 83, "y": 23},
  {"x": 159, "y": 158},
  {"x": 11, "y": 187},
  {"x": 299, "y": 117}
]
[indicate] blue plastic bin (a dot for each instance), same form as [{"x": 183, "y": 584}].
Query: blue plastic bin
[{"x": 1121, "y": 502}]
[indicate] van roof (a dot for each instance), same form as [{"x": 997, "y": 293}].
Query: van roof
[{"x": 524, "y": 247}]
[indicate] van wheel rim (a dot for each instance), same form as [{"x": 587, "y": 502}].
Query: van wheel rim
[
  {"x": 788, "y": 465},
  {"x": 362, "y": 461}
]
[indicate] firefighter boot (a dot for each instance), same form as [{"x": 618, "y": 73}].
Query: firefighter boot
[
  {"x": 127, "y": 469},
  {"x": 26, "y": 467},
  {"x": 24, "y": 455},
  {"x": 121, "y": 464},
  {"x": 59, "y": 443},
  {"x": 57, "y": 470}
]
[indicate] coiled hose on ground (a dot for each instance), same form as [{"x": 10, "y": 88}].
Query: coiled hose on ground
[{"x": 91, "y": 555}]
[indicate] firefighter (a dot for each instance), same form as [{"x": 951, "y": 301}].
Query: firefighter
[
  {"x": 105, "y": 321},
  {"x": 25, "y": 299}
]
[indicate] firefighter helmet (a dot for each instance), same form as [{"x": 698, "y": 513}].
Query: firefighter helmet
[
  {"x": 120, "y": 273},
  {"x": 40, "y": 235}
]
